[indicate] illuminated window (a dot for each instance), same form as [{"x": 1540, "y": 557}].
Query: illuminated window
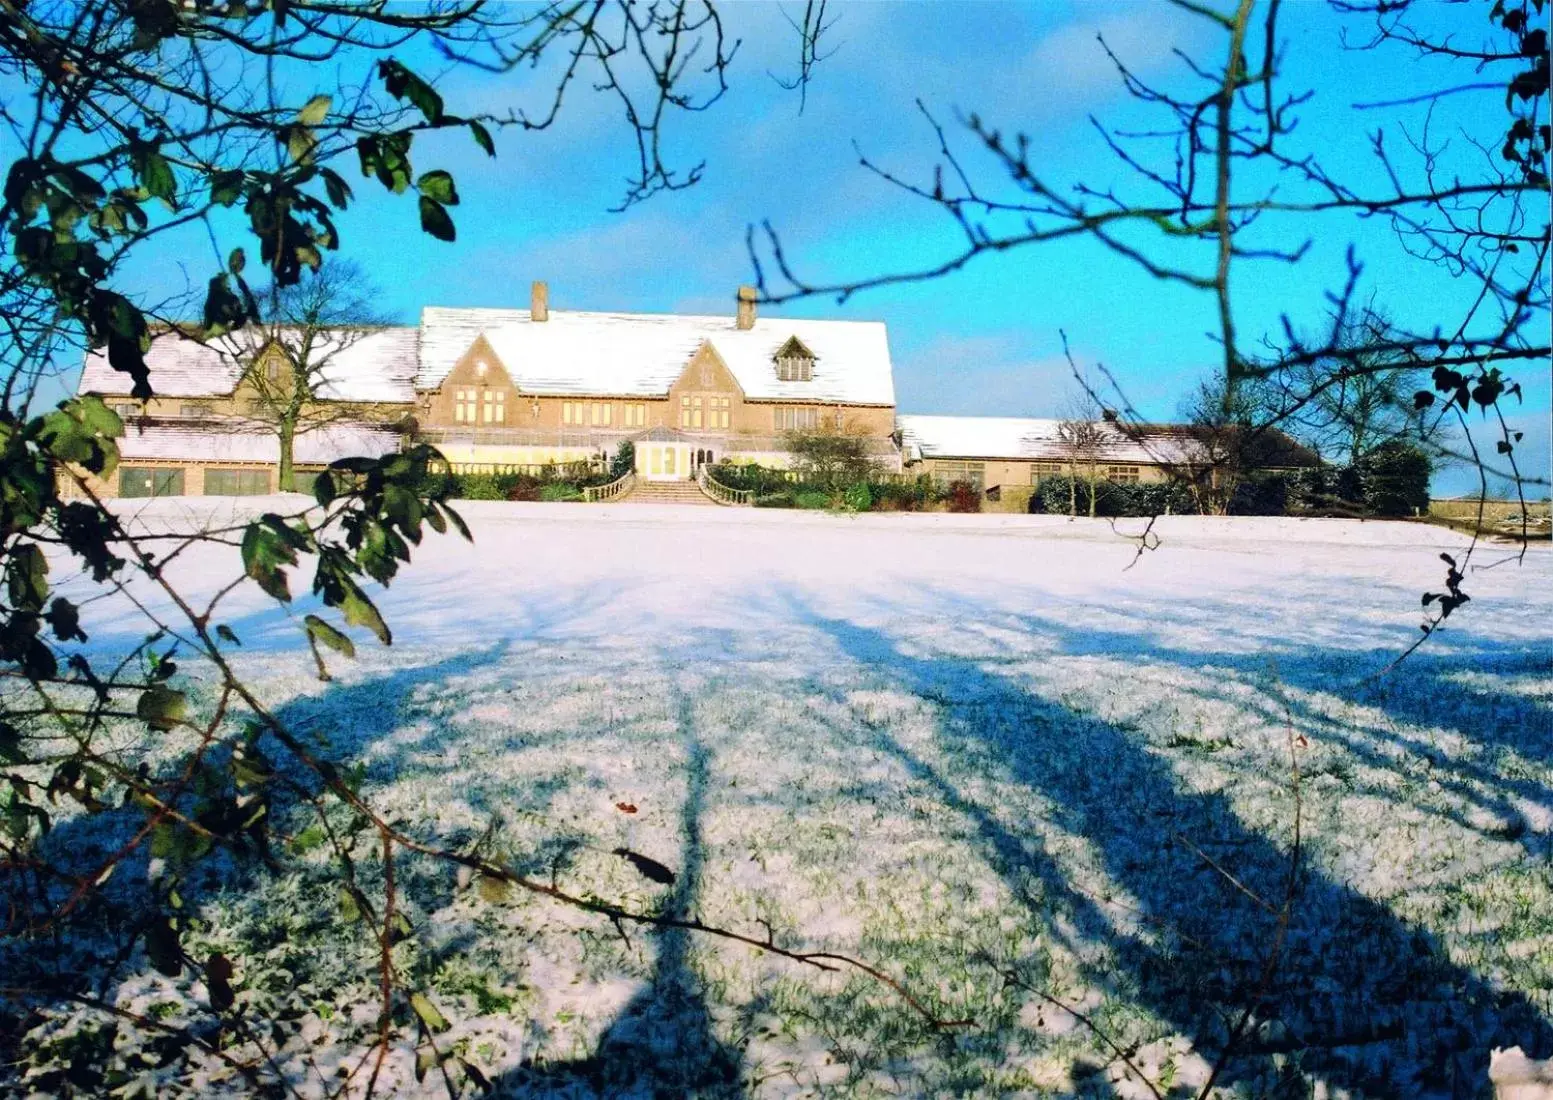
[
  {"x": 496, "y": 406},
  {"x": 718, "y": 416},
  {"x": 635, "y": 416},
  {"x": 602, "y": 413},
  {"x": 464, "y": 406},
  {"x": 571, "y": 412}
]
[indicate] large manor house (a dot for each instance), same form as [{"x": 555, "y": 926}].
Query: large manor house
[{"x": 501, "y": 389}]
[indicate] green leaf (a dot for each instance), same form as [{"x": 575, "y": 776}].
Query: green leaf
[
  {"x": 236, "y": 261},
  {"x": 359, "y": 611},
  {"x": 27, "y": 577},
  {"x": 339, "y": 191},
  {"x": 316, "y": 110},
  {"x": 155, "y": 174},
  {"x": 321, "y": 631},
  {"x": 435, "y": 220},
  {"x": 309, "y": 838},
  {"x": 403, "y": 84},
  {"x": 428, "y": 1013},
  {"x": 300, "y": 143},
  {"x": 226, "y": 187},
  {"x": 482, "y": 138},
  {"x": 161, "y": 707},
  {"x": 438, "y": 185},
  {"x": 350, "y": 912}
]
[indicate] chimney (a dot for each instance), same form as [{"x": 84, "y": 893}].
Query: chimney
[
  {"x": 539, "y": 302},
  {"x": 746, "y": 308}
]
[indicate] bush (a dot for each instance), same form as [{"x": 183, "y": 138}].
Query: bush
[
  {"x": 811, "y": 498},
  {"x": 905, "y": 496},
  {"x": 963, "y": 497},
  {"x": 1056, "y": 495},
  {"x": 857, "y": 498},
  {"x": 559, "y": 490},
  {"x": 624, "y": 461},
  {"x": 775, "y": 500},
  {"x": 1394, "y": 478}
]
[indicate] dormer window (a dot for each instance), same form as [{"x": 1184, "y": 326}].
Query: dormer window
[{"x": 794, "y": 362}]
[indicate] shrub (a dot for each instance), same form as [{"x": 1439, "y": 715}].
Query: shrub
[
  {"x": 857, "y": 498},
  {"x": 963, "y": 497},
  {"x": 775, "y": 500},
  {"x": 1260, "y": 495},
  {"x": 624, "y": 461},
  {"x": 559, "y": 490},
  {"x": 812, "y": 498},
  {"x": 522, "y": 487},
  {"x": 1394, "y": 478}
]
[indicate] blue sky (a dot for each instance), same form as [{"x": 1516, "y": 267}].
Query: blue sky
[{"x": 985, "y": 340}]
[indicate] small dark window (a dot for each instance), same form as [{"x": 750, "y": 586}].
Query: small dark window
[
  {"x": 794, "y": 362},
  {"x": 237, "y": 483},
  {"x": 145, "y": 481}
]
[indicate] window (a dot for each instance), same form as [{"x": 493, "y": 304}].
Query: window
[
  {"x": 272, "y": 369},
  {"x": 636, "y": 416},
  {"x": 144, "y": 481},
  {"x": 198, "y": 410},
  {"x": 237, "y": 483},
  {"x": 794, "y": 418},
  {"x": 1039, "y": 471},
  {"x": 126, "y": 408},
  {"x": 464, "y": 406},
  {"x": 496, "y": 406},
  {"x": 1129, "y": 474},
  {"x": 947, "y": 472},
  {"x": 602, "y": 413},
  {"x": 572, "y": 412},
  {"x": 794, "y": 362},
  {"x": 717, "y": 417}
]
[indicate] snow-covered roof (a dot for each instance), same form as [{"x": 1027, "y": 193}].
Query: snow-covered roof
[
  {"x": 251, "y": 441},
  {"x": 1004, "y": 437},
  {"x": 642, "y": 354},
  {"x": 375, "y": 364}
]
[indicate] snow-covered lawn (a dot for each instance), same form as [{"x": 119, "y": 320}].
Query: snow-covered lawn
[{"x": 980, "y": 752}]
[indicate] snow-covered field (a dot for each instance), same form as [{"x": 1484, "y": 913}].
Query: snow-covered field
[{"x": 981, "y": 752}]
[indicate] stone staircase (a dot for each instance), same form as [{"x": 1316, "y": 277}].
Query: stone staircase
[{"x": 666, "y": 492}]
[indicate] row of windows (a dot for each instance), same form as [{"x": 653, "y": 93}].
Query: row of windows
[
  {"x": 601, "y": 414},
  {"x": 795, "y": 368},
  {"x": 1040, "y": 470},
  {"x": 471, "y": 406},
  {"x": 703, "y": 411},
  {"x": 151, "y": 481},
  {"x": 795, "y": 418}
]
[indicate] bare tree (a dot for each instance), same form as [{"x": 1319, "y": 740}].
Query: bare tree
[
  {"x": 295, "y": 359},
  {"x": 1224, "y": 158},
  {"x": 1083, "y": 436}
]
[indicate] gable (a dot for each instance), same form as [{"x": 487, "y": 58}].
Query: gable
[
  {"x": 707, "y": 371},
  {"x": 479, "y": 366}
]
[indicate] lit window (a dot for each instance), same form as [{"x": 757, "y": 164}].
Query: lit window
[
  {"x": 603, "y": 414},
  {"x": 464, "y": 406},
  {"x": 496, "y": 406},
  {"x": 636, "y": 416},
  {"x": 571, "y": 412},
  {"x": 718, "y": 418}
]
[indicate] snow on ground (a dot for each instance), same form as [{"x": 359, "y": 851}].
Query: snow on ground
[{"x": 987, "y": 753}]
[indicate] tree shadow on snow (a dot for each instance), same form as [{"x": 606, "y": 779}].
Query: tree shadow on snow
[
  {"x": 662, "y": 1044},
  {"x": 1368, "y": 1001}
]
